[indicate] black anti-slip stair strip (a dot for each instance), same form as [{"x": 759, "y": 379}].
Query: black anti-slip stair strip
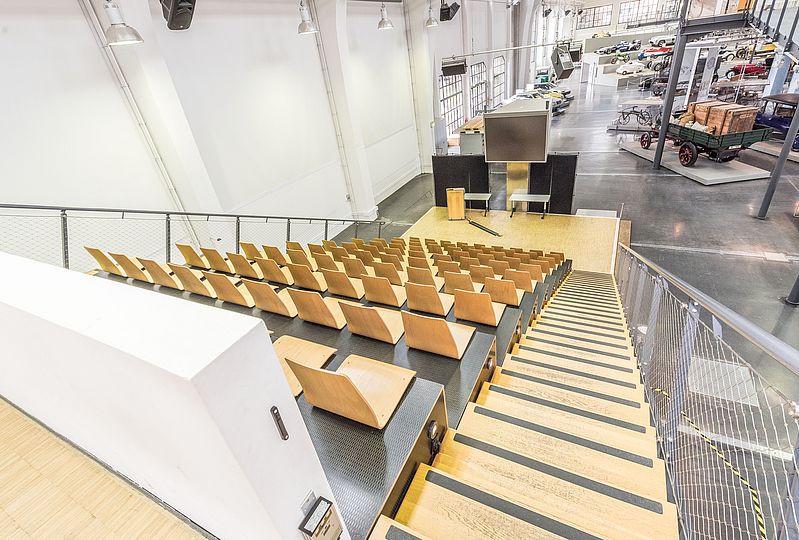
[
  {"x": 508, "y": 508},
  {"x": 574, "y": 389},
  {"x": 541, "y": 323},
  {"x": 537, "y": 330},
  {"x": 623, "y": 424},
  {"x": 575, "y": 372},
  {"x": 584, "y": 349},
  {"x": 577, "y": 359},
  {"x": 551, "y": 317},
  {"x": 394, "y": 533},
  {"x": 567, "y": 437},
  {"x": 561, "y": 474},
  {"x": 600, "y": 316}
]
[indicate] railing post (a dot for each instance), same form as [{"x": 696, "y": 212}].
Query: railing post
[
  {"x": 788, "y": 529},
  {"x": 380, "y": 229},
  {"x": 288, "y": 229},
  {"x": 356, "y": 229},
  {"x": 168, "y": 238},
  {"x": 64, "y": 240},
  {"x": 238, "y": 234},
  {"x": 639, "y": 294},
  {"x": 327, "y": 230}
]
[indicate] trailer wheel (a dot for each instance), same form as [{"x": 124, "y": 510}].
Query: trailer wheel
[
  {"x": 646, "y": 140},
  {"x": 688, "y": 154}
]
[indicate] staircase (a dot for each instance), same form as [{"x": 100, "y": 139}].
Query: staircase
[{"x": 558, "y": 443}]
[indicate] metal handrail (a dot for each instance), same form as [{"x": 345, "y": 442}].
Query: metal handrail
[
  {"x": 771, "y": 345},
  {"x": 175, "y": 213}
]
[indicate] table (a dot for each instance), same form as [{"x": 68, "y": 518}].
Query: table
[
  {"x": 485, "y": 197},
  {"x": 529, "y": 198}
]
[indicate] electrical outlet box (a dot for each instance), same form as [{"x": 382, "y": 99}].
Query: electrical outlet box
[{"x": 322, "y": 522}]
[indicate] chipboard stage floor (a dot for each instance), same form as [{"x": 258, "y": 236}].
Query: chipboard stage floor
[
  {"x": 706, "y": 172},
  {"x": 589, "y": 241}
]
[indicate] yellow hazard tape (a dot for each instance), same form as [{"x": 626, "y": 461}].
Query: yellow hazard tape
[{"x": 753, "y": 493}]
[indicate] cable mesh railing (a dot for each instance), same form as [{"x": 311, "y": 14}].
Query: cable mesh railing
[
  {"x": 727, "y": 434},
  {"x": 57, "y": 235}
]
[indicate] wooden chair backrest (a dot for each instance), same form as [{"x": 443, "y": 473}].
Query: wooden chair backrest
[
  {"x": 536, "y": 253},
  {"x": 190, "y": 281},
  {"x": 334, "y": 392},
  {"x": 396, "y": 252},
  {"x": 425, "y": 298},
  {"x": 272, "y": 252},
  {"x": 499, "y": 267},
  {"x": 371, "y": 249},
  {"x": 439, "y": 257},
  {"x": 303, "y": 277},
  {"x": 448, "y": 266},
  {"x": 521, "y": 279},
  {"x": 106, "y": 264},
  {"x": 388, "y": 271},
  {"x": 350, "y": 247},
  {"x": 159, "y": 276},
  {"x": 499, "y": 256},
  {"x": 457, "y": 280},
  {"x": 226, "y": 290},
  {"x": 267, "y": 299},
  {"x": 435, "y": 335},
  {"x": 216, "y": 260},
  {"x": 339, "y": 254},
  {"x": 339, "y": 283},
  {"x": 325, "y": 261},
  {"x": 379, "y": 242},
  {"x": 418, "y": 262},
  {"x": 364, "y": 256},
  {"x": 359, "y": 242},
  {"x": 560, "y": 256},
  {"x": 393, "y": 259},
  {"x": 316, "y": 248},
  {"x": 242, "y": 266},
  {"x": 514, "y": 262},
  {"x": 421, "y": 255},
  {"x": 524, "y": 258},
  {"x": 399, "y": 240},
  {"x": 376, "y": 323},
  {"x": 312, "y": 307},
  {"x": 250, "y": 250},
  {"x": 132, "y": 268},
  {"x": 434, "y": 248},
  {"x": 468, "y": 262},
  {"x": 545, "y": 265},
  {"x": 485, "y": 258},
  {"x": 272, "y": 272},
  {"x": 480, "y": 273},
  {"x": 293, "y": 245},
  {"x": 380, "y": 291},
  {"x": 329, "y": 244},
  {"x": 298, "y": 256},
  {"x": 502, "y": 291},
  {"x": 191, "y": 257},
  {"x": 422, "y": 276},
  {"x": 476, "y": 307},
  {"x": 535, "y": 270},
  {"x": 353, "y": 267},
  {"x": 553, "y": 261}
]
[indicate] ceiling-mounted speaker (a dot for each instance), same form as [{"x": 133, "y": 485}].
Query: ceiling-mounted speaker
[
  {"x": 178, "y": 13},
  {"x": 562, "y": 63},
  {"x": 448, "y": 11},
  {"x": 453, "y": 67}
]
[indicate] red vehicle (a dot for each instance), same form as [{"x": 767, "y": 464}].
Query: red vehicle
[
  {"x": 759, "y": 69},
  {"x": 654, "y": 51}
]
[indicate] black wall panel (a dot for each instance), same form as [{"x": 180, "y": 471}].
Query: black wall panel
[
  {"x": 559, "y": 171},
  {"x": 468, "y": 172}
]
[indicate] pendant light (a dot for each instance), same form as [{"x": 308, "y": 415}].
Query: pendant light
[
  {"x": 119, "y": 33},
  {"x": 385, "y": 23},
  {"x": 431, "y": 21},
  {"x": 307, "y": 25}
]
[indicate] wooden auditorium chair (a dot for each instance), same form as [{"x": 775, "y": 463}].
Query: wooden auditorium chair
[
  {"x": 459, "y": 280},
  {"x": 480, "y": 273},
  {"x": 131, "y": 267},
  {"x": 251, "y": 251},
  {"x": 373, "y": 322},
  {"x": 313, "y": 308},
  {"x": 243, "y": 267},
  {"x": 105, "y": 262},
  {"x": 380, "y": 291},
  {"x": 325, "y": 261},
  {"x": 314, "y": 355},
  {"x": 504, "y": 291},
  {"x": 273, "y": 272},
  {"x": 228, "y": 290},
  {"x": 272, "y": 252},
  {"x": 191, "y": 281},
  {"x": 192, "y": 258},
  {"x": 161, "y": 274},
  {"x": 361, "y": 389},
  {"x": 299, "y": 256},
  {"x": 448, "y": 266},
  {"x": 424, "y": 276},
  {"x": 390, "y": 272},
  {"x": 393, "y": 259},
  {"x": 477, "y": 307},
  {"x": 521, "y": 280},
  {"x": 342, "y": 285},
  {"x": 427, "y": 299},
  {"x": 217, "y": 261},
  {"x": 355, "y": 268},
  {"x": 267, "y": 299},
  {"x": 535, "y": 270},
  {"x": 436, "y": 335},
  {"x": 304, "y": 278}
]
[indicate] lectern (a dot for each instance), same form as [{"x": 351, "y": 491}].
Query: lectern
[{"x": 456, "y": 204}]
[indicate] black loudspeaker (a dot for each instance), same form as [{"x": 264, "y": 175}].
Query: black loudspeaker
[
  {"x": 468, "y": 172},
  {"x": 448, "y": 11},
  {"x": 453, "y": 67},
  {"x": 562, "y": 63},
  {"x": 556, "y": 177},
  {"x": 178, "y": 13}
]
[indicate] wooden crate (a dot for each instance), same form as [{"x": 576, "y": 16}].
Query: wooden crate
[
  {"x": 740, "y": 120},
  {"x": 702, "y": 109},
  {"x": 718, "y": 114}
]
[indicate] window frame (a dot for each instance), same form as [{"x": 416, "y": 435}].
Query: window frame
[
  {"x": 499, "y": 87},
  {"x": 478, "y": 88},
  {"x": 450, "y": 90},
  {"x": 596, "y": 16}
]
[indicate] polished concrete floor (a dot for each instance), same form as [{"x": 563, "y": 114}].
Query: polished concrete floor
[{"x": 704, "y": 235}]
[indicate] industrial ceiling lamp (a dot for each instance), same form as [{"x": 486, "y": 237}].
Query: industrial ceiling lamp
[
  {"x": 566, "y": 13},
  {"x": 431, "y": 21},
  {"x": 385, "y": 23},
  {"x": 307, "y": 25},
  {"x": 119, "y": 33},
  {"x": 547, "y": 11},
  {"x": 579, "y": 12}
]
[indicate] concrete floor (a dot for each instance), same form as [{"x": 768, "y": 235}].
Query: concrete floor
[{"x": 705, "y": 235}]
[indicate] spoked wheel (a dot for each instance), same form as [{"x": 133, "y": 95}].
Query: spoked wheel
[
  {"x": 624, "y": 119},
  {"x": 688, "y": 154},
  {"x": 646, "y": 140},
  {"x": 614, "y": 60}
]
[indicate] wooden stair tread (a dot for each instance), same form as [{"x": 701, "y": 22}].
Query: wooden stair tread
[
  {"x": 637, "y": 438},
  {"x": 582, "y": 331},
  {"x": 585, "y": 313},
  {"x": 619, "y": 370},
  {"x": 603, "y": 463},
  {"x": 606, "y": 404},
  {"x": 591, "y": 506},
  {"x": 589, "y": 301},
  {"x": 585, "y": 306},
  {"x": 441, "y": 506},
  {"x": 593, "y": 325},
  {"x": 388, "y": 529},
  {"x": 581, "y": 342},
  {"x": 598, "y": 383},
  {"x": 583, "y": 352}
]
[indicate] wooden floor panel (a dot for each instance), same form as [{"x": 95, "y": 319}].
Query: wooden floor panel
[
  {"x": 603, "y": 404},
  {"x": 556, "y": 492},
  {"x": 645, "y": 477}
]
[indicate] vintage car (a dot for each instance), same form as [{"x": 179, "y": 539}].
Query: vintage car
[
  {"x": 655, "y": 51},
  {"x": 558, "y": 104},
  {"x": 601, "y": 34},
  {"x": 777, "y": 113},
  {"x": 621, "y": 47},
  {"x": 630, "y": 68},
  {"x": 662, "y": 40},
  {"x": 759, "y": 69},
  {"x": 549, "y": 87}
]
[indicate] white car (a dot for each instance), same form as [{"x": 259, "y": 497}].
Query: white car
[
  {"x": 660, "y": 41},
  {"x": 630, "y": 68}
]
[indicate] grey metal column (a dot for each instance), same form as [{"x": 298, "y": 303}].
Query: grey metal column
[
  {"x": 777, "y": 171},
  {"x": 668, "y": 98},
  {"x": 793, "y": 296}
]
